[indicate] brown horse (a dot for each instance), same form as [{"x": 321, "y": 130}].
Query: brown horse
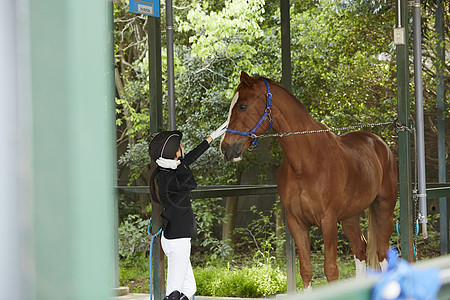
[{"x": 325, "y": 178}]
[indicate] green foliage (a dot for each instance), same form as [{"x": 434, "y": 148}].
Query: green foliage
[
  {"x": 431, "y": 246},
  {"x": 261, "y": 236},
  {"x": 136, "y": 158},
  {"x": 133, "y": 238},
  {"x": 139, "y": 118},
  {"x": 343, "y": 64},
  {"x": 337, "y": 69},
  {"x": 343, "y": 67},
  {"x": 241, "y": 282},
  {"x": 135, "y": 273},
  {"x": 346, "y": 266},
  {"x": 425, "y": 248},
  {"x": 220, "y": 279},
  {"x": 208, "y": 213},
  {"x": 229, "y": 32}
]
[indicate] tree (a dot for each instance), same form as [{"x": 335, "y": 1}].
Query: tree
[{"x": 343, "y": 64}]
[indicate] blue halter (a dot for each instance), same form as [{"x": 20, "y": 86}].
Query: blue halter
[{"x": 251, "y": 134}]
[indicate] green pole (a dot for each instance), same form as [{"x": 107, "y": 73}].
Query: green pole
[
  {"x": 286, "y": 72},
  {"x": 155, "y": 74},
  {"x": 286, "y": 81},
  {"x": 440, "y": 95},
  {"x": 404, "y": 134},
  {"x": 73, "y": 110},
  {"x": 156, "y": 125}
]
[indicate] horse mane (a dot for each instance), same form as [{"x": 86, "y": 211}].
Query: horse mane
[
  {"x": 299, "y": 103},
  {"x": 249, "y": 82},
  {"x": 285, "y": 90}
]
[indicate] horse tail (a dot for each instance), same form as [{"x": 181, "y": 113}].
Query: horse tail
[{"x": 372, "y": 251}]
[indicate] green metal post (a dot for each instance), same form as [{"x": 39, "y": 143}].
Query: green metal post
[
  {"x": 155, "y": 70},
  {"x": 404, "y": 135},
  {"x": 73, "y": 122},
  {"x": 286, "y": 73},
  {"x": 440, "y": 95},
  {"x": 170, "y": 66},
  {"x": 286, "y": 81},
  {"x": 156, "y": 125}
]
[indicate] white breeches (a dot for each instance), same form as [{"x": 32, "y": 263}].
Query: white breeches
[{"x": 180, "y": 276}]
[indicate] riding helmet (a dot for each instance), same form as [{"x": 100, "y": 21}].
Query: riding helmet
[{"x": 165, "y": 144}]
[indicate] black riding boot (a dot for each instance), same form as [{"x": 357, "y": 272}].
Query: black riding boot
[{"x": 175, "y": 295}]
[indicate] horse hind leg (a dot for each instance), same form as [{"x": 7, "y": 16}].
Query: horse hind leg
[{"x": 352, "y": 231}]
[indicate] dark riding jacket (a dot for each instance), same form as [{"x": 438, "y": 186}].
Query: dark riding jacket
[{"x": 174, "y": 191}]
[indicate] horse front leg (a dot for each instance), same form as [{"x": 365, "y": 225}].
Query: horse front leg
[
  {"x": 330, "y": 235},
  {"x": 300, "y": 233}
]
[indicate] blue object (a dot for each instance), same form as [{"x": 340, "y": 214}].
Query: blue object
[
  {"x": 417, "y": 233},
  {"x": 401, "y": 281},
  {"x": 152, "y": 237},
  {"x": 146, "y": 7}
]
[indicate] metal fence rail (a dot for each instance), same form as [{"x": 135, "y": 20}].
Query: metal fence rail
[
  {"x": 434, "y": 190},
  {"x": 212, "y": 191}
]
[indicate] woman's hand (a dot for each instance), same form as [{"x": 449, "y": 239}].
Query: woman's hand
[{"x": 218, "y": 132}]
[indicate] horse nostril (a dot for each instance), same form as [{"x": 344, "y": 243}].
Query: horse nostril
[
  {"x": 226, "y": 153},
  {"x": 232, "y": 151}
]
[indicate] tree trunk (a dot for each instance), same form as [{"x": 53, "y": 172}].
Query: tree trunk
[{"x": 231, "y": 212}]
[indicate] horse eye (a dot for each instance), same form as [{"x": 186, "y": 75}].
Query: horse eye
[{"x": 242, "y": 107}]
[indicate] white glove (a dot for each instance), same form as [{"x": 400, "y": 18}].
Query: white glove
[{"x": 219, "y": 131}]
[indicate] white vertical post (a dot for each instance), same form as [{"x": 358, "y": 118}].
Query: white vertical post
[{"x": 15, "y": 212}]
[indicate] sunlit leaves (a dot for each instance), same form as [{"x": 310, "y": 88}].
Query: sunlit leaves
[{"x": 228, "y": 32}]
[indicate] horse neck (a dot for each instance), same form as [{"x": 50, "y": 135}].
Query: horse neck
[{"x": 290, "y": 115}]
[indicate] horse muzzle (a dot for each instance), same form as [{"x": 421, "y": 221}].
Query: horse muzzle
[{"x": 232, "y": 152}]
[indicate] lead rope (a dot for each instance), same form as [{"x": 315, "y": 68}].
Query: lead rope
[
  {"x": 152, "y": 237},
  {"x": 397, "y": 226},
  {"x": 319, "y": 131}
]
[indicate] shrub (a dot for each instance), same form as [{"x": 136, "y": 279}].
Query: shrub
[
  {"x": 248, "y": 282},
  {"x": 133, "y": 237}
]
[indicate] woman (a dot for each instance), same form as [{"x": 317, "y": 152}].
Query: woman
[{"x": 175, "y": 180}]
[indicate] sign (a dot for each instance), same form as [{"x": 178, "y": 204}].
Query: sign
[
  {"x": 399, "y": 36},
  {"x": 146, "y": 7}
]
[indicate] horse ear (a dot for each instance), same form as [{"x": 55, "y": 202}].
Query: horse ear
[{"x": 246, "y": 79}]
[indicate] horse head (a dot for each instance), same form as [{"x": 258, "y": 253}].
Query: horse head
[{"x": 249, "y": 116}]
